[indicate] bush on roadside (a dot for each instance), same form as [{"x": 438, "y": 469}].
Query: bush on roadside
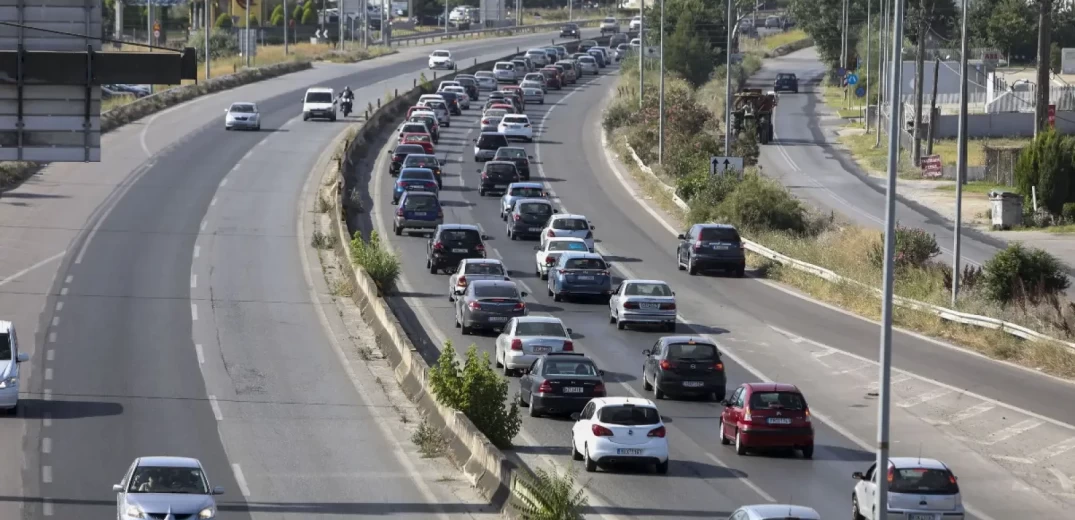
[
  {"x": 276, "y": 19},
  {"x": 762, "y": 204},
  {"x": 1018, "y": 273},
  {"x": 1068, "y": 212},
  {"x": 914, "y": 247},
  {"x": 1046, "y": 167},
  {"x": 377, "y": 260},
  {"x": 223, "y": 21},
  {"x": 478, "y": 392},
  {"x": 221, "y": 44},
  {"x": 548, "y": 495}
]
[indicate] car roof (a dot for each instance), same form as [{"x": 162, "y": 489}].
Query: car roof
[
  {"x": 490, "y": 134},
  {"x": 319, "y": 89},
  {"x": 684, "y": 338},
  {"x": 5, "y": 326},
  {"x": 412, "y": 145},
  {"x": 564, "y": 239},
  {"x": 538, "y": 319},
  {"x": 458, "y": 227},
  {"x": 646, "y": 281},
  {"x": 764, "y": 511},
  {"x": 415, "y": 169},
  {"x": 916, "y": 462},
  {"x": 581, "y": 254},
  {"x": 169, "y": 462},
  {"x": 410, "y": 194},
  {"x": 602, "y": 402},
  {"x": 772, "y": 387},
  {"x": 251, "y": 103},
  {"x": 524, "y": 116},
  {"x": 443, "y": 50},
  {"x": 570, "y": 215},
  {"x": 474, "y": 260}
]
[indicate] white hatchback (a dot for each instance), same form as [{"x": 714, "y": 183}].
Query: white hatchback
[
  {"x": 10, "y": 358},
  {"x": 613, "y": 430},
  {"x": 549, "y": 252},
  {"x": 441, "y": 59},
  {"x": 918, "y": 489},
  {"x": 569, "y": 225},
  {"x": 516, "y": 126},
  {"x": 504, "y": 72}
]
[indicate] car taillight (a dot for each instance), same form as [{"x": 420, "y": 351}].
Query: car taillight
[
  {"x": 397, "y": 157},
  {"x": 516, "y": 344},
  {"x": 569, "y": 346},
  {"x": 517, "y": 217},
  {"x": 698, "y": 244},
  {"x": 668, "y": 306},
  {"x": 746, "y": 416},
  {"x": 485, "y": 175},
  {"x": 551, "y": 234},
  {"x": 519, "y": 306},
  {"x": 399, "y": 212},
  {"x": 806, "y": 417},
  {"x": 438, "y": 246},
  {"x": 485, "y": 121},
  {"x": 667, "y": 365},
  {"x": 544, "y": 388},
  {"x": 549, "y": 259},
  {"x": 630, "y": 305},
  {"x": 603, "y": 273},
  {"x": 599, "y": 390},
  {"x": 656, "y": 432},
  {"x": 475, "y": 306},
  {"x": 600, "y": 431},
  {"x": 440, "y": 213},
  {"x": 890, "y": 475},
  {"x": 718, "y": 366},
  {"x": 480, "y": 248},
  {"x": 462, "y": 282}
]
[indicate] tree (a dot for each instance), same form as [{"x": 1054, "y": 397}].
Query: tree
[
  {"x": 706, "y": 18},
  {"x": 223, "y": 21},
  {"x": 309, "y": 16},
  {"x": 941, "y": 17},
  {"x": 688, "y": 53},
  {"x": 478, "y": 392},
  {"x": 823, "y": 21},
  {"x": 277, "y": 18},
  {"x": 1011, "y": 28}
]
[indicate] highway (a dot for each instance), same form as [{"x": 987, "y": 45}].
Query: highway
[
  {"x": 767, "y": 333},
  {"x": 187, "y": 318}
]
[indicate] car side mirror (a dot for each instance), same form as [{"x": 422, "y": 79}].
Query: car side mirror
[
  {"x": 389, "y": 153},
  {"x": 555, "y": 211},
  {"x": 117, "y": 488},
  {"x": 524, "y": 294},
  {"x": 22, "y": 357},
  {"x": 575, "y": 416},
  {"x": 531, "y": 157},
  {"x": 225, "y": 111},
  {"x": 479, "y": 170},
  {"x": 726, "y": 402},
  {"x": 475, "y": 140},
  {"x": 681, "y": 237},
  {"x": 601, "y": 373},
  {"x": 592, "y": 227},
  {"x": 645, "y": 352},
  {"x": 218, "y": 490},
  {"x": 858, "y": 475},
  {"x": 486, "y": 237},
  {"x": 570, "y": 332}
]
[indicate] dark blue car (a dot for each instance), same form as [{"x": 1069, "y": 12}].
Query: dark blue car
[
  {"x": 580, "y": 274},
  {"x": 418, "y": 210},
  {"x": 414, "y": 179}
]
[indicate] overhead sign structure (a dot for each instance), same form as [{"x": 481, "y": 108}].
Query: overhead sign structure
[{"x": 719, "y": 165}]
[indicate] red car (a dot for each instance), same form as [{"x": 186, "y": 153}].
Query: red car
[
  {"x": 767, "y": 415},
  {"x": 423, "y": 140},
  {"x": 503, "y": 106},
  {"x": 552, "y": 78}
]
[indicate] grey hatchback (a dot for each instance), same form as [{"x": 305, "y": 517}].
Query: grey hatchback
[
  {"x": 488, "y": 305},
  {"x": 528, "y": 218}
]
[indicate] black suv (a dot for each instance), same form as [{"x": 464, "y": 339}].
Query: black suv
[
  {"x": 786, "y": 82},
  {"x": 570, "y": 29},
  {"x": 707, "y": 246},
  {"x": 496, "y": 176},
  {"x": 518, "y": 156},
  {"x": 453, "y": 243},
  {"x": 453, "y": 102},
  {"x": 684, "y": 365},
  {"x": 486, "y": 145},
  {"x": 560, "y": 382},
  {"x": 400, "y": 154}
]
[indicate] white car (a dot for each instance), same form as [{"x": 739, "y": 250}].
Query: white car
[
  {"x": 242, "y": 115},
  {"x": 319, "y": 103},
  {"x": 471, "y": 269},
  {"x": 538, "y": 56},
  {"x": 568, "y": 225},
  {"x": 917, "y": 488},
  {"x": 635, "y": 25},
  {"x": 533, "y": 92},
  {"x": 441, "y": 60},
  {"x": 549, "y": 252},
  {"x": 440, "y": 108},
  {"x": 643, "y": 301},
  {"x": 516, "y": 126},
  {"x": 10, "y": 358},
  {"x": 609, "y": 25},
  {"x": 619, "y": 429},
  {"x": 504, "y": 71},
  {"x": 166, "y": 487},
  {"x": 448, "y": 83},
  {"x": 461, "y": 93},
  {"x": 774, "y": 512},
  {"x": 486, "y": 80},
  {"x": 535, "y": 77},
  {"x": 636, "y": 43},
  {"x": 588, "y": 64},
  {"x": 527, "y": 337}
]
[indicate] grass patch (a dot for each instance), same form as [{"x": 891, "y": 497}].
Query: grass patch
[
  {"x": 14, "y": 172},
  {"x": 848, "y": 113},
  {"x": 773, "y": 41},
  {"x": 1067, "y": 228},
  {"x": 875, "y": 160},
  {"x": 430, "y": 442},
  {"x": 323, "y": 240},
  {"x": 977, "y": 187}
]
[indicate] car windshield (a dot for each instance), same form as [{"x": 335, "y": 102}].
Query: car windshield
[
  {"x": 492, "y": 142},
  {"x": 776, "y": 401},
  {"x": 567, "y": 245},
  {"x": 500, "y": 169},
  {"x": 571, "y": 26},
  {"x": 594, "y": 264},
  {"x": 5, "y": 346},
  {"x": 496, "y": 291},
  {"x": 536, "y": 208},
  {"x": 718, "y": 235},
  {"x": 420, "y": 202},
  {"x": 441, "y": 54},
  {"x": 693, "y": 352},
  {"x": 504, "y": 66},
  {"x": 420, "y": 161},
  {"x": 519, "y": 120},
  {"x": 571, "y": 224},
  {"x": 533, "y": 76},
  {"x": 511, "y": 153},
  {"x": 463, "y": 236},
  {"x": 484, "y": 268},
  {"x": 243, "y": 109},
  {"x": 527, "y": 192},
  {"x": 540, "y": 328},
  {"x": 629, "y": 415},
  {"x": 151, "y": 479},
  {"x": 570, "y": 368},
  {"x": 409, "y": 149},
  {"x": 415, "y": 128},
  {"x": 923, "y": 481},
  {"x": 648, "y": 289},
  {"x": 318, "y": 97}
]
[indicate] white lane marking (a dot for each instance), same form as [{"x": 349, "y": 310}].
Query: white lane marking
[
  {"x": 46, "y": 507},
  {"x": 55, "y": 321},
  {"x": 1011, "y": 431},
  {"x": 225, "y": 179},
  {"x": 496, "y": 252},
  {"x": 63, "y": 291},
  {"x": 47, "y": 421},
  {"x": 1049, "y": 452},
  {"x": 204, "y": 223},
  {"x": 193, "y": 281},
  {"x": 923, "y": 398},
  {"x": 46, "y": 474},
  {"x": 875, "y": 386},
  {"x": 194, "y": 311},
  {"x": 197, "y": 251},
  {"x": 525, "y": 287},
  {"x": 201, "y": 355},
  {"x": 48, "y": 374},
  {"x": 247, "y": 154},
  {"x": 1065, "y": 481},
  {"x": 48, "y": 394},
  {"x": 977, "y": 409},
  {"x": 50, "y": 355},
  {"x": 761, "y": 492},
  {"x": 69, "y": 278},
  {"x": 46, "y": 445},
  {"x": 59, "y": 306},
  {"x": 52, "y": 337},
  {"x": 216, "y": 408},
  {"x": 213, "y": 202},
  {"x": 240, "y": 479}
]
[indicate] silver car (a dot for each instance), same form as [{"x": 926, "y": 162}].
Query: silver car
[
  {"x": 490, "y": 123},
  {"x": 527, "y": 338},
  {"x": 643, "y": 301},
  {"x": 473, "y": 269},
  {"x": 444, "y": 117},
  {"x": 242, "y": 115},
  {"x": 588, "y": 64},
  {"x": 517, "y": 191},
  {"x": 535, "y": 77},
  {"x": 533, "y": 93},
  {"x": 566, "y": 225},
  {"x": 771, "y": 511},
  {"x": 488, "y": 304},
  {"x": 166, "y": 487},
  {"x": 504, "y": 71},
  {"x": 486, "y": 80}
]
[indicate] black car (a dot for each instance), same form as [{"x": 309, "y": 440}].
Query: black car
[
  {"x": 452, "y": 243},
  {"x": 711, "y": 246},
  {"x": 586, "y": 45},
  {"x": 453, "y": 102},
  {"x": 518, "y": 156},
  {"x": 496, "y": 176},
  {"x": 470, "y": 85},
  {"x": 560, "y": 382},
  {"x": 569, "y": 30},
  {"x": 486, "y": 145},
  {"x": 786, "y": 82},
  {"x": 684, "y": 365},
  {"x": 528, "y": 218},
  {"x": 423, "y": 160},
  {"x": 400, "y": 154}
]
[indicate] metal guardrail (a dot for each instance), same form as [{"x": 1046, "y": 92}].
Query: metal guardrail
[
  {"x": 826, "y": 274},
  {"x": 507, "y": 31}
]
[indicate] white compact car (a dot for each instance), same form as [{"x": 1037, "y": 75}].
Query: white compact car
[
  {"x": 548, "y": 253},
  {"x": 619, "y": 430},
  {"x": 486, "y": 80},
  {"x": 643, "y": 301},
  {"x": 533, "y": 93},
  {"x": 516, "y": 126},
  {"x": 635, "y": 25},
  {"x": 774, "y": 512},
  {"x": 538, "y": 57},
  {"x": 319, "y": 103},
  {"x": 461, "y": 93},
  {"x": 568, "y": 225},
  {"x": 504, "y": 72},
  {"x": 471, "y": 269},
  {"x": 441, "y": 60},
  {"x": 918, "y": 489},
  {"x": 242, "y": 115},
  {"x": 10, "y": 358},
  {"x": 588, "y": 64},
  {"x": 527, "y": 337}
]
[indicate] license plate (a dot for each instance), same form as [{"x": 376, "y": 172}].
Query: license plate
[
  {"x": 628, "y": 451},
  {"x": 459, "y": 250},
  {"x": 498, "y": 319},
  {"x": 693, "y": 384},
  {"x": 920, "y": 516},
  {"x": 415, "y": 188},
  {"x": 421, "y": 214},
  {"x": 572, "y": 389},
  {"x": 585, "y": 277},
  {"x": 541, "y": 349},
  {"x": 649, "y": 305},
  {"x": 535, "y": 230},
  {"x": 500, "y": 186},
  {"x": 720, "y": 248},
  {"x": 785, "y": 420}
]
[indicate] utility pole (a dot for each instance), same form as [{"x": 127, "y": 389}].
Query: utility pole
[
  {"x": 885, "y": 357},
  {"x": 919, "y": 83},
  {"x": 869, "y": 71},
  {"x": 882, "y": 95},
  {"x": 1041, "y": 105},
  {"x": 445, "y": 17},
  {"x": 641, "y": 53},
  {"x": 933, "y": 111},
  {"x": 660, "y": 138},
  {"x": 246, "y": 34},
  {"x": 208, "y": 27},
  {"x": 728, "y": 84},
  {"x": 961, "y": 155},
  {"x": 843, "y": 45},
  {"x": 287, "y": 25}
]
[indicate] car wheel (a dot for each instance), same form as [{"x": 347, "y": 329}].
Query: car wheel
[
  {"x": 534, "y": 411},
  {"x": 481, "y": 192},
  {"x": 591, "y": 465},
  {"x": 620, "y": 325},
  {"x": 432, "y": 268},
  {"x": 739, "y": 448},
  {"x": 466, "y": 330},
  {"x": 13, "y": 411},
  {"x": 305, "y": 117},
  {"x": 691, "y": 268},
  {"x": 556, "y": 297},
  {"x": 808, "y": 451},
  {"x": 496, "y": 358},
  {"x": 544, "y": 276},
  {"x": 257, "y": 128},
  {"x": 512, "y": 235},
  {"x": 723, "y": 438},
  {"x": 611, "y": 316},
  {"x": 575, "y": 455},
  {"x": 679, "y": 262},
  {"x": 662, "y": 467},
  {"x": 855, "y": 513},
  {"x": 507, "y": 371},
  {"x": 657, "y": 392},
  {"x": 226, "y": 128},
  {"x": 397, "y": 230},
  {"x": 740, "y": 272}
]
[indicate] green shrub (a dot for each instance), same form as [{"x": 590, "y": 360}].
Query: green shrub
[
  {"x": 223, "y": 21},
  {"x": 745, "y": 144},
  {"x": 619, "y": 113},
  {"x": 276, "y": 19},
  {"x": 221, "y": 44},
  {"x": 548, "y": 495},
  {"x": 1046, "y": 166},
  {"x": 478, "y": 392},
  {"x": 1068, "y": 212},
  {"x": 296, "y": 14},
  {"x": 761, "y": 204},
  {"x": 378, "y": 261},
  {"x": 705, "y": 193},
  {"x": 309, "y": 16},
  {"x": 1021, "y": 273},
  {"x": 914, "y": 247}
]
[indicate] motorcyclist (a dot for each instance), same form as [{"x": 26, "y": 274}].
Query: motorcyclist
[{"x": 346, "y": 100}]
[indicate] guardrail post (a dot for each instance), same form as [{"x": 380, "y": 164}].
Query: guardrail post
[
  {"x": 475, "y": 62},
  {"x": 434, "y": 75},
  {"x": 378, "y": 102},
  {"x": 415, "y": 82}
]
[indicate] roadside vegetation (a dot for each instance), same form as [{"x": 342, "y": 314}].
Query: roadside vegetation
[
  {"x": 548, "y": 495},
  {"x": 379, "y": 261},
  {"x": 478, "y": 391}
]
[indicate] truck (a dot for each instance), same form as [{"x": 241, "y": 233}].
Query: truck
[{"x": 752, "y": 106}]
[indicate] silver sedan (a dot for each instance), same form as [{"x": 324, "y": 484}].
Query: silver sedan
[
  {"x": 472, "y": 269},
  {"x": 533, "y": 94},
  {"x": 165, "y": 487},
  {"x": 242, "y": 115},
  {"x": 643, "y": 301}
]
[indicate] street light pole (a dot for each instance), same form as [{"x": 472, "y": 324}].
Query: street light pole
[
  {"x": 208, "y": 27},
  {"x": 641, "y": 53},
  {"x": 728, "y": 84},
  {"x": 881, "y": 503},
  {"x": 287, "y": 21},
  {"x": 246, "y": 35},
  {"x": 882, "y": 96},
  {"x": 660, "y": 138},
  {"x": 961, "y": 154},
  {"x": 445, "y": 17},
  {"x": 869, "y": 73}
]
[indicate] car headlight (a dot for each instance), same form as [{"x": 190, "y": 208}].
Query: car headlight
[
  {"x": 10, "y": 381},
  {"x": 206, "y": 513},
  {"x": 135, "y": 512}
]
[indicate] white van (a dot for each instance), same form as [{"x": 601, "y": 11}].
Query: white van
[
  {"x": 10, "y": 358},
  {"x": 319, "y": 103}
]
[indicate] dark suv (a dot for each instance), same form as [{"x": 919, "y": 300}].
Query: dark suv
[
  {"x": 452, "y": 243},
  {"x": 570, "y": 30},
  {"x": 711, "y": 246},
  {"x": 786, "y": 82},
  {"x": 486, "y": 145},
  {"x": 470, "y": 85},
  {"x": 528, "y": 218},
  {"x": 684, "y": 365},
  {"x": 496, "y": 176},
  {"x": 518, "y": 156},
  {"x": 400, "y": 154}
]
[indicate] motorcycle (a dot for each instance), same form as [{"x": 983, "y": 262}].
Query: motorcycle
[{"x": 345, "y": 106}]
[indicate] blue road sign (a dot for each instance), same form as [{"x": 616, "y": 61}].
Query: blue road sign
[
  {"x": 860, "y": 91},
  {"x": 841, "y": 72},
  {"x": 852, "y": 79}
]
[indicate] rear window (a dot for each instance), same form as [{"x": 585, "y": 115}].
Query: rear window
[
  {"x": 416, "y": 174},
  {"x": 420, "y": 138},
  {"x": 567, "y": 66},
  {"x": 496, "y": 112},
  {"x": 516, "y": 120},
  {"x": 495, "y": 291},
  {"x": 504, "y": 66},
  {"x": 467, "y": 82},
  {"x": 785, "y": 76},
  {"x": 484, "y": 268},
  {"x": 511, "y": 153},
  {"x": 435, "y": 104},
  {"x": 610, "y": 20},
  {"x": 719, "y": 235},
  {"x": 540, "y": 328},
  {"x": 923, "y": 481},
  {"x": 420, "y": 161},
  {"x": 569, "y": 368},
  {"x": 648, "y": 289},
  {"x": 776, "y": 401},
  {"x": 567, "y": 246},
  {"x": 586, "y": 263},
  {"x": 416, "y": 128},
  {"x": 527, "y": 192},
  {"x": 500, "y": 169},
  {"x": 420, "y": 202},
  {"x": 465, "y": 236},
  {"x": 693, "y": 351},
  {"x": 409, "y": 149},
  {"x": 536, "y": 208},
  {"x": 492, "y": 142},
  {"x": 571, "y": 224},
  {"x": 629, "y": 415}
]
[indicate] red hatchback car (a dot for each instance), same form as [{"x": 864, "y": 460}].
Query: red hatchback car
[
  {"x": 423, "y": 140},
  {"x": 767, "y": 415}
]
